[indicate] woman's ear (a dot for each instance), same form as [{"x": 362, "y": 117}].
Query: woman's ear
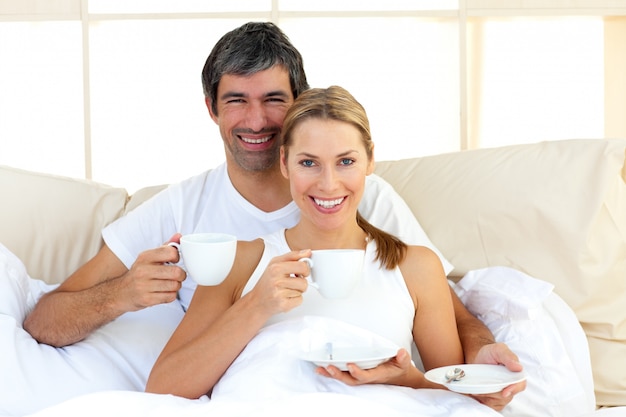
[
  {"x": 371, "y": 164},
  {"x": 283, "y": 163}
]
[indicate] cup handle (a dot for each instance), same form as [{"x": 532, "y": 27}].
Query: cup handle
[
  {"x": 177, "y": 246},
  {"x": 307, "y": 260},
  {"x": 309, "y": 278}
]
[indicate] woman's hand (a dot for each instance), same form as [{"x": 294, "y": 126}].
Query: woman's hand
[
  {"x": 395, "y": 371},
  {"x": 281, "y": 286}
]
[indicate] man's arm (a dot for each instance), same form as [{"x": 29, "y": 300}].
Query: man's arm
[
  {"x": 102, "y": 290},
  {"x": 479, "y": 346},
  {"x": 472, "y": 332}
]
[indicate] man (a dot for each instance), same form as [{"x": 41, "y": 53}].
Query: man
[{"x": 250, "y": 79}]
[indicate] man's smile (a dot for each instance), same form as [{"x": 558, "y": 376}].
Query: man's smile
[{"x": 256, "y": 140}]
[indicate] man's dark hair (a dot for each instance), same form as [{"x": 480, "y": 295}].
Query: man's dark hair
[{"x": 253, "y": 47}]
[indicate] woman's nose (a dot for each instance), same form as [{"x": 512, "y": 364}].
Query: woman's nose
[{"x": 328, "y": 180}]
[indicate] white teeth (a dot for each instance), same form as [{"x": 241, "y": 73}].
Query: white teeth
[
  {"x": 328, "y": 203},
  {"x": 256, "y": 141}
]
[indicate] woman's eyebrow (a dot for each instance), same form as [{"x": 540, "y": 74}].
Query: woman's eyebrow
[{"x": 346, "y": 153}]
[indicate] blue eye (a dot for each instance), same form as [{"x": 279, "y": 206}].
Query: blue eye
[
  {"x": 347, "y": 161},
  {"x": 307, "y": 163}
]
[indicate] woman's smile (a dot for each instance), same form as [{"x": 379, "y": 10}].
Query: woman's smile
[{"x": 328, "y": 204}]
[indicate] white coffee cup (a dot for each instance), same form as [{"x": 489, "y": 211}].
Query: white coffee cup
[
  {"x": 335, "y": 272},
  {"x": 207, "y": 257}
]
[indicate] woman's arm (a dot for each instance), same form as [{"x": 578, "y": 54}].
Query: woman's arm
[
  {"x": 219, "y": 322},
  {"x": 434, "y": 327}
]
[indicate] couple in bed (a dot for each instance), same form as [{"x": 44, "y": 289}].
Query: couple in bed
[
  {"x": 326, "y": 154},
  {"x": 251, "y": 79}
]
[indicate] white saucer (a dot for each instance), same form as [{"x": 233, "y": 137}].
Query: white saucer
[
  {"x": 478, "y": 379},
  {"x": 363, "y": 357}
]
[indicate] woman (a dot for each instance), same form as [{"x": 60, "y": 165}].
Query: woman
[{"x": 327, "y": 153}]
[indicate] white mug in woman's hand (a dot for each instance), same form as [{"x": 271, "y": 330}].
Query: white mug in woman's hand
[
  {"x": 207, "y": 257},
  {"x": 335, "y": 273}
]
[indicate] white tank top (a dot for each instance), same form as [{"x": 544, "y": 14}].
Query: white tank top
[{"x": 381, "y": 303}]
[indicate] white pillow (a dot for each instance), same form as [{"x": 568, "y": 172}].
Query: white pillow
[{"x": 543, "y": 331}]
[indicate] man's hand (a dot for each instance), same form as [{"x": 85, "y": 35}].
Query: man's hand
[
  {"x": 152, "y": 279},
  {"x": 499, "y": 354},
  {"x": 102, "y": 290}
]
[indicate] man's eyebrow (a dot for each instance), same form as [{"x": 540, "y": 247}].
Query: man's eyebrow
[
  {"x": 276, "y": 93},
  {"x": 237, "y": 94},
  {"x": 231, "y": 94}
]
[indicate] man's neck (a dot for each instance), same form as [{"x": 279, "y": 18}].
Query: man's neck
[{"x": 267, "y": 190}]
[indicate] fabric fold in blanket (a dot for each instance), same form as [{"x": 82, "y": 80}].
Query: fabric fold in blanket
[
  {"x": 543, "y": 331},
  {"x": 96, "y": 376},
  {"x": 118, "y": 356},
  {"x": 268, "y": 379}
]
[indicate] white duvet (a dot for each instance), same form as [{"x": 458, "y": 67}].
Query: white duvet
[
  {"x": 104, "y": 374},
  {"x": 269, "y": 379}
]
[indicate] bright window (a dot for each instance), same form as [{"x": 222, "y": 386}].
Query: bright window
[
  {"x": 538, "y": 79},
  {"x": 114, "y": 93},
  {"x": 41, "y": 99}
]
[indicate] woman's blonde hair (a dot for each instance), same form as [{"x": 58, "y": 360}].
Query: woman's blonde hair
[{"x": 336, "y": 103}]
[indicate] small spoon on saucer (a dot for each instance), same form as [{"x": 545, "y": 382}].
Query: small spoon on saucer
[
  {"x": 329, "y": 350},
  {"x": 454, "y": 375}
]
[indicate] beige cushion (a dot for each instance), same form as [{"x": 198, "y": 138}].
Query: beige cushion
[
  {"x": 142, "y": 195},
  {"x": 53, "y": 223},
  {"x": 554, "y": 210}
]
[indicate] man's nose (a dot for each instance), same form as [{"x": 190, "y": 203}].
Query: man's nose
[{"x": 256, "y": 117}]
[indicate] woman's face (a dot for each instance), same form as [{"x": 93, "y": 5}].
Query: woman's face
[{"x": 326, "y": 167}]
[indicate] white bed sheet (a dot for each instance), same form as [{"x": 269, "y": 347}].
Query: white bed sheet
[
  {"x": 268, "y": 379},
  {"x": 99, "y": 375},
  {"x": 119, "y": 356}
]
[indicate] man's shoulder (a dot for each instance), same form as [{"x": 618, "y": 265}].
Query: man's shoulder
[
  {"x": 211, "y": 178},
  {"x": 380, "y": 197},
  {"x": 375, "y": 184}
]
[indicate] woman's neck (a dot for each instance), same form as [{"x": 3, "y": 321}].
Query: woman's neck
[{"x": 306, "y": 236}]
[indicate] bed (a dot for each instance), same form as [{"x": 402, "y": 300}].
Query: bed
[{"x": 537, "y": 235}]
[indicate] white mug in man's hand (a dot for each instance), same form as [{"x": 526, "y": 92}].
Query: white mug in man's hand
[
  {"x": 335, "y": 273},
  {"x": 207, "y": 257}
]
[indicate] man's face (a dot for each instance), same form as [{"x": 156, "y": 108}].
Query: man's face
[{"x": 250, "y": 114}]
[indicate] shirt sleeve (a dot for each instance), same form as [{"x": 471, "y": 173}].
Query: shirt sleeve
[
  {"x": 383, "y": 207},
  {"x": 148, "y": 226}
]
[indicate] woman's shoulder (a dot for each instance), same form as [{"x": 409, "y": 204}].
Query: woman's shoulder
[
  {"x": 420, "y": 261},
  {"x": 420, "y": 251},
  {"x": 423, "y": 272},
  {"x": 249, "y": 251},
  {"x": 247, "y": 258}
]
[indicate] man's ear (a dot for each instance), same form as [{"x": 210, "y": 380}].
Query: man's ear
[
  {"x": 283, "y": 163},
  {"x": 207, "y": 101}
]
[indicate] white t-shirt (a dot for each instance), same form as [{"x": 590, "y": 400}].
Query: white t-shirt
[{"x": 210, "y": 203}]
